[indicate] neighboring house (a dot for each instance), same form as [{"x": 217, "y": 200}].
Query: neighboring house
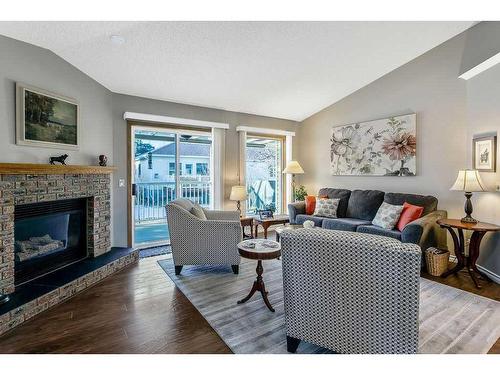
[
  {"x": 262, "y": 177},
  {"x": 159, "y": 164}
]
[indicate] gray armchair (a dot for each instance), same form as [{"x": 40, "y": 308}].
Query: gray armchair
[
  {"x": 353, "y": 293},
  {"x": 200, "y": 242}
]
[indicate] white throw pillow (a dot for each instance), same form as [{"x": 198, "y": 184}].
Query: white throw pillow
[
  {"x": 387, "y": 216},
  {"x": 326, "y": 207}
]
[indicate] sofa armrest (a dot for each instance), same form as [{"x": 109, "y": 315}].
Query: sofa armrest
[
  {"x": 426, "y": 232},
  {"x": 222, "y": 215},
  {"x": 295, "y": 209}
]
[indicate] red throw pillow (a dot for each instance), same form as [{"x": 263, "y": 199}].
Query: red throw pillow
[
  {"x": 310, "y": 204},
  {"x": 410, "y": 213}
]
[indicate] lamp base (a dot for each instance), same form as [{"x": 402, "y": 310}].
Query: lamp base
[
  {"x": 469, "y": 220},
  {"x": 468, "y": 210},
  {"x": 4, "y": 298}
]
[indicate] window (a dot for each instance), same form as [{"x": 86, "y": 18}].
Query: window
[
  {"x": 189, "y": 169},
  {"x": 202, "y": 169},
  {"x": 171, "y": 169},
  {"x": 264, "y": 178},
  {"x": 180, "y": 169}
]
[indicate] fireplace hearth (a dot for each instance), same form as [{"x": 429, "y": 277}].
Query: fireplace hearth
[{"x": 48, "y": 236}]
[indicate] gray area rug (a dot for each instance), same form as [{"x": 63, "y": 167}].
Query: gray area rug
[
  {"x": 155, "y": 251},
  {"x": 451, "y": 320}
]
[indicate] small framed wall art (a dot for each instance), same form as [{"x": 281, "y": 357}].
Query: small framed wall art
[{"x": 484, "y": 153}]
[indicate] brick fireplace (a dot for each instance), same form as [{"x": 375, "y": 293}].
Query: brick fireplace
[
  {"x": 28, "y": 187},
  {"x": 20, "y": 189}
]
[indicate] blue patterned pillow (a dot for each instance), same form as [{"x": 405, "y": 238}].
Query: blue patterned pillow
[{"x": 387, "y": 216}]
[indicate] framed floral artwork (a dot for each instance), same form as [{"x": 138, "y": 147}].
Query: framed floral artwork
[
  {"x": 385, "y": 147},
  {"x": 484, "y": 153}
]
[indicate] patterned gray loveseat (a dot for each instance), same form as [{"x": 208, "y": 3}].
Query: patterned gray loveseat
[
  {"x": 199, "y": 242},
  {"x": 350, "y": 292},
  {"x": 357, "y": 209}
]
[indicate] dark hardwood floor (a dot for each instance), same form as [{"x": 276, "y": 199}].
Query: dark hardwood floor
[{"x": 139, "y": 310}]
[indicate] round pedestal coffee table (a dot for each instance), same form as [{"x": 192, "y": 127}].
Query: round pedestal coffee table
[{"x": 259, "y": 250}]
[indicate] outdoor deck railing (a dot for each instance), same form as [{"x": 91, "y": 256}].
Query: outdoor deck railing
[{"x": 151, "y": 197}]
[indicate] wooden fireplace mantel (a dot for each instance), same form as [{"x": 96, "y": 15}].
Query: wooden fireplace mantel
[{"x": 29, "y": 168}]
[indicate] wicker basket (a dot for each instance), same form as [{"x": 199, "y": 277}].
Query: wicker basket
[{"x": 436, "y": 261}]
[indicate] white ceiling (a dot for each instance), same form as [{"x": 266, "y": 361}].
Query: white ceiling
[{"x": 288, "y": 70}]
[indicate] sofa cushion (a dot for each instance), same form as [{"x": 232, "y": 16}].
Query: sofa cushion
[
  {"x": 342, "y": 194},
  {"x": 410, "y": 213},
  {"x": 387, "y": 215},
  {"x": 310, "y": 204},
  {"x": 326, "y": 207},
  {"x": 372, "y": 229},
  {"x": 197, "y": 211},
  {"x": 364, "y": 204},
  {"x": 299, "y": 219},
  {"x": 428, "y": 202},
  {"x": 346, "y": 224}
]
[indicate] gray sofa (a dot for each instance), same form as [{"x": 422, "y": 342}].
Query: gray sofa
[
  {"x": 350, "y": 292},
  {"x": 357, "y": 209}
]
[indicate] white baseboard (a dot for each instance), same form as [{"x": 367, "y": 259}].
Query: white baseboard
[
  {"x": 487, "y": 272},
  {"x": 493, "y": 276}
]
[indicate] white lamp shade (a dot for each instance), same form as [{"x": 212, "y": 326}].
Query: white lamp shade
[
  {"x": 293, "y": 167},
  {"x": 468, "y": 180},
  {"x": 238, "y": 193}
]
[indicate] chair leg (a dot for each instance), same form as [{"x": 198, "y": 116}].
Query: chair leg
[
  {"x": 178, "y": 270},
  {"x": 236, "y": 268},
  {"x": 292, "y": 344}
]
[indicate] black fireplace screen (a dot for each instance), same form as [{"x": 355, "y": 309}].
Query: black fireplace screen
[{"x": 48, "y": 236}]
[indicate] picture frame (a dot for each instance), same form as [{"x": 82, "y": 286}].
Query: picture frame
[
  {"x": 265, "y": 214},
  {"x": 382, "y": 147},
  {"x": 46, "y": 119},
  {"x": 484, "y": 153}
]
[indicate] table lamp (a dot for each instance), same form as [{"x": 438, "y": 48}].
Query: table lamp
[
  {"x": 293, "y": 167},
  {"x": 238, "y": 194},
  {"x": 468, "y": 181}
]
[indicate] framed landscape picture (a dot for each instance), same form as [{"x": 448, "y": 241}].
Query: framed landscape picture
[
  {"x": 46, "y": 119},
  {"x": 385, "y": 147},
  {"x": 484, "y": 153}
]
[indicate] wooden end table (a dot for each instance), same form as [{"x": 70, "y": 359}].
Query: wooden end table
[
  {"x": 247, "y": 222},
  {"x": 263, "y": 250},
  {"x": 478, "y": 231},
  {"x": 266, "y": 223}
]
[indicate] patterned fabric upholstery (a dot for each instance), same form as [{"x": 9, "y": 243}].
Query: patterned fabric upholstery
[
  {"x": 351, "y": 292},
  {"x": 387, "y": 216},
  {"x": 197, "y": 242}
]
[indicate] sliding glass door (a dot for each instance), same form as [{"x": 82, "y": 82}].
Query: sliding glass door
[
  {"x": 167, "y": 164},
  {"x": 264, "y": 178}
]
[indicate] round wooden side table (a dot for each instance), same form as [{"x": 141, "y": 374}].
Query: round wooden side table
[
  {"x": 260, "y": 250},
  {"x": 478, "y": 229}
]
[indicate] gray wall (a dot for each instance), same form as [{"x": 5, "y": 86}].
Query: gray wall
[
  {"x": 449, "y": 111},
  {"x": 103, "y": 127},
  {"x": 124, "y": 103},
  {"x": 22, "y": 62},
  {"x": 427, "y": 86},
  {"x": 483, "y": 109}
]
